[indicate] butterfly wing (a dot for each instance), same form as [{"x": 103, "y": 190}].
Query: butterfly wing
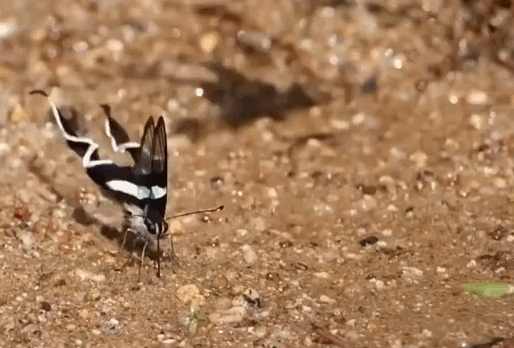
[
  {"x": 160, "y": 168},
  {"x": 144, "y": 161},
  {"x": 120, "y": 140}
]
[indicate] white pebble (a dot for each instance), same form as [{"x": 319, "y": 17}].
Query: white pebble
[
  {"x": 387, "y": 233},
  {"x": 85, "y": 275},
  {"x": 190, "y": 293},
  {"x": 411, "y": 274},
  {"x": 392, "y": 208},
  {"x": 27, "y": 239},
  {"x": 232, "y": 315},
  {"x": 272, "y": 193},
  {"x": 259, "y": 224},
  {"x": 8, "y": 28},
  {"x": 306, "y": 309},
  {"x": 340, "y": 124},
  {"x": 379, "y": 284},
  {"x": 471, "y": 264},
  {"x": 420, "y": 158},
  {"x": 500, "y": 183},
  {"x": 242, "y": 232},
  {"x": 260, "y": 331},
  {"x": 396, "y": 154},
  {"x": 367, "y": 203},
  {"x": 248, "y": 254},
  {"x": 476, "y": 121},
  {"x": 326, "y": 299},
  {"x": 358, "y": 118},
  {"x": 476, "y": 97},
  {"x": 322, "y": 275}
]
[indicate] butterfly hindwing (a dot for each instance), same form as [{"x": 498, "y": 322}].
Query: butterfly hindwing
[{"x": 120, "y": 139}]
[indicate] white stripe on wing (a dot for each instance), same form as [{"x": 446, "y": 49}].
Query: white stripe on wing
[{"x": 139, "y": 192}]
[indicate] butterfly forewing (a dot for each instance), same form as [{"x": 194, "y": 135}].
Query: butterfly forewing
[
  {"x": 160, "y": 168},
  {"x": 160, "y": 158},
  {"x": 143, "y": 165}
]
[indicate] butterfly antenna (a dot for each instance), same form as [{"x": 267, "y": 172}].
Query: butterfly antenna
[{"x": 212, "y": 210}]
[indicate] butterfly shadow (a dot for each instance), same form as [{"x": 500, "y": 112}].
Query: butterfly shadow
[{"x": 241, "y": 100}]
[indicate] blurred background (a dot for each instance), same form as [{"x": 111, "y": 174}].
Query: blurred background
[{"x": 362, "y": 150}]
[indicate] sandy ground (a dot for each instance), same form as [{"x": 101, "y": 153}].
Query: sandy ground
[{"x": 362, "y": 150}]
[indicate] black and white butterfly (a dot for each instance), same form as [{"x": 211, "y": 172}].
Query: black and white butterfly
[{"x": 141, "y": 189}]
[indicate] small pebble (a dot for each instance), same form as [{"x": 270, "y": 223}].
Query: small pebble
[
  {"x": 476, "y": 97},
  {"x": 322, "y": 208},
  {"x": 325, "y": 299},
  {"x": 84, "y": 314},
  {"x": 8, "y": 28},
  {"x": 186, "y": 292},
  {"x": 248, "y": 254},
  {"x": 476, "y": 121},
  {"x": 411, "y": 274},
  {"x": 420, "y": 158},
  {"x": 111, "y": 326},
  {"x": 237, "y": 290},
  {"x": 209, "y": 41},
  {"x": 392, "y": 207},
  {"x": 253, "y": 298},
  {"x": 94, "y": 295},
  {"x": 258, "y": 224},
  {"x": 85, "y": 275},
  {"x": 322, "y": 275},
  {"x": 358, "y": 118},
  {"x": 380, "y": 285},
  {"x": 471, "y": 264},
  {"x": 242, "y": 232},
  {"x": 340, "y": 124},
  {"x": 229, "y": 316},
  {"x": 260, "y": 331},
  {"x": 46, "y": 306},
  {"x": 396, "y": 154},
  {"x": 370, "y": 240},
  {"x": 367, "y": 203},
  {"x": 190, "y": 293},
  {"x": 500, "y": 183}
]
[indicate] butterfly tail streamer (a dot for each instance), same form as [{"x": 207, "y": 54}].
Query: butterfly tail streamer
[{"x": 120, "y": 140}]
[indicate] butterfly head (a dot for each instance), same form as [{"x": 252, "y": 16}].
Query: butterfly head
[
  {"x": 155, "y": 223},
  {"x": 148, "y": 225}
]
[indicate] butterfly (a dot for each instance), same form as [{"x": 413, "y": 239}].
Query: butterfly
[{"x": 141, "y": 189}]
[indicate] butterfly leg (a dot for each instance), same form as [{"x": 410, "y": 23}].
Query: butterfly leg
[
  {"x": 142, "y": 258},
  {"x": 130, "y": 256},
  {"x": 124, "y": 239},
  {"x": 173, "y": 255}
]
